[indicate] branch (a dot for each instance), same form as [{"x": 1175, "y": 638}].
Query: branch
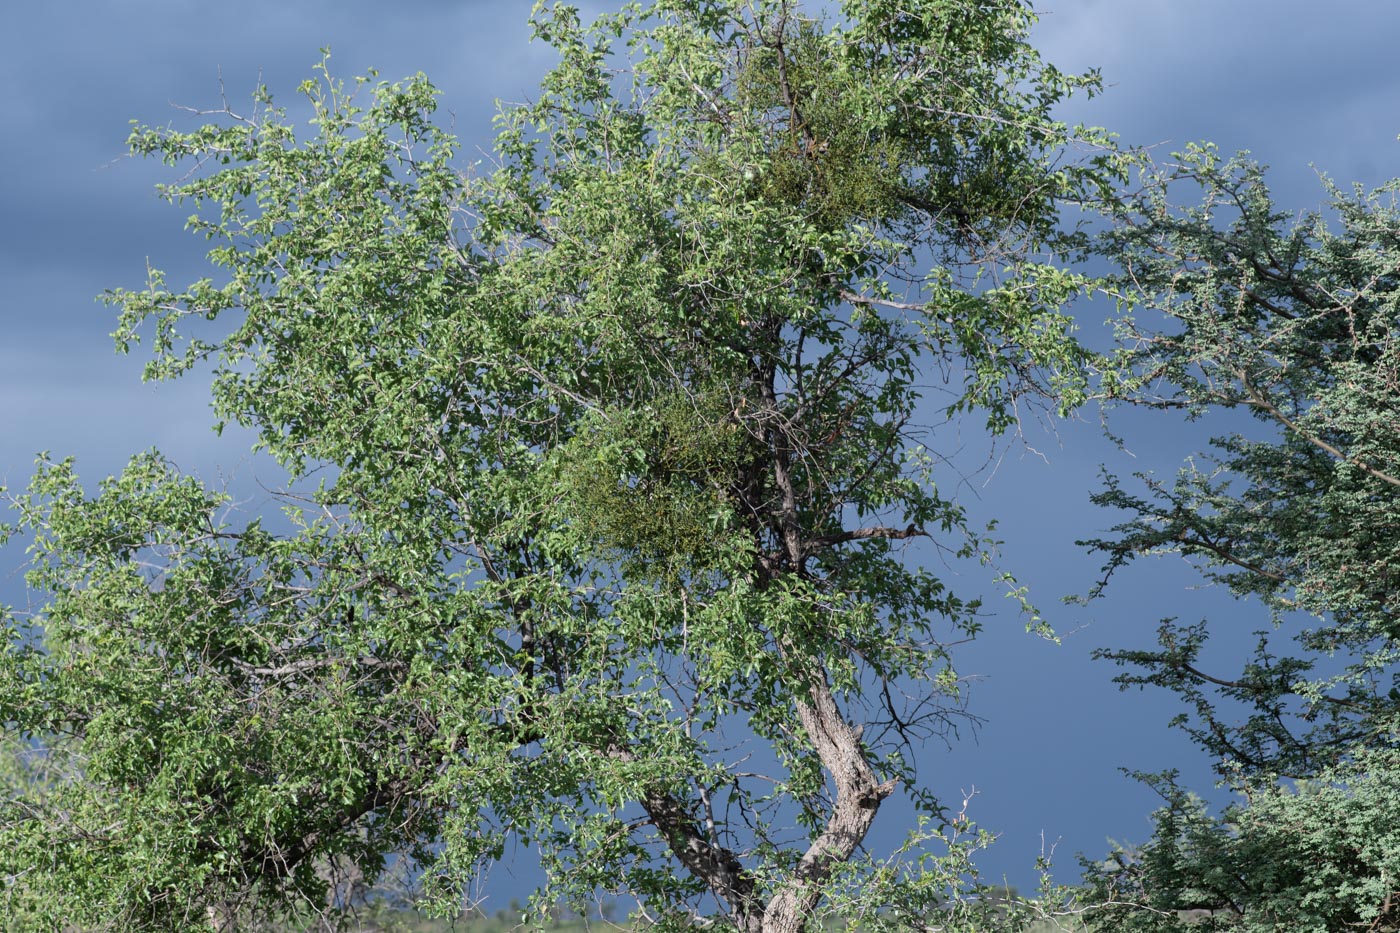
[
  {"x": 856, "y": 298},
  {"x": 823, "y": 542},
  {"x": 1260, "y": 401},
  {"x": 1223, "y": 552},
  {"x": 1261, "y": 688},
  {"x": 311, "y": 664},
  {"x": 719, "y": 868}
]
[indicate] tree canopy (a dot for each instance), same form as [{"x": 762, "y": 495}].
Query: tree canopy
[
  {"x": 603, "y": 456},
  {"x": 1293, "y": 322}
]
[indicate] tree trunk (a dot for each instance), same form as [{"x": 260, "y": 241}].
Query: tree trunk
[{"x": 858, "y": 798}]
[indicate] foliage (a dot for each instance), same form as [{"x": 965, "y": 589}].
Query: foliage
[
  {"x": 617, "y": 442},
  {"x": 1294, "y": 323},
  {"x": 1316, "y": 855}
]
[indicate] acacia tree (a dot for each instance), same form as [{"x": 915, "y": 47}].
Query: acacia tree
[
  {"x": 619, "y": 440},
  {"x": 1294, "y": 322}
]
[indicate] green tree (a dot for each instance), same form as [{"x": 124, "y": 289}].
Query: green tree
[
  {"x": 1294, "y": 322},
  {"x": 619, "y": 439}
]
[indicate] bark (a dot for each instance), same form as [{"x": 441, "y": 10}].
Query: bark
[
  {"x": 858, "y": 798},
  {"x": 717, "y": 866}
]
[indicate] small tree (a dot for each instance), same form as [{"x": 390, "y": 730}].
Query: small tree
[
  {"x": 620, "y": 440},
  {"x": 1295, "y": 323}
]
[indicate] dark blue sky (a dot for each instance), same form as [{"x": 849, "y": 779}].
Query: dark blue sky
[{"x": 1294, "y": 82}]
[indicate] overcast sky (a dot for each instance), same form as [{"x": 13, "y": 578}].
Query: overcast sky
[{"x": 1295, "y": 82}]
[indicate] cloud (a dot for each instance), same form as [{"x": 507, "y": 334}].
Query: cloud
[{"x": 1294, "y": 82}]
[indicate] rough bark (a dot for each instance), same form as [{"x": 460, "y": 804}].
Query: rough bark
[{"x": 858, "y": 798}]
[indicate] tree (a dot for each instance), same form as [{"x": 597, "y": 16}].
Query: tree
[
  {"x": 1294, "y": 323},
  {"x": 619, "y": 441}
]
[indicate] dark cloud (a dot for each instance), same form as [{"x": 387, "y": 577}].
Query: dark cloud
[
  {"x": 81, "y": 217},
  {"x": 1297, "y": 83}
]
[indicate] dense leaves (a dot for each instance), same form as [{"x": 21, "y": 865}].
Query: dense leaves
[{"x": 1317, "y": 855}]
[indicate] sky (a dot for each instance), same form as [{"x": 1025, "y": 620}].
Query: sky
[{"x": 1296, "y": 83}]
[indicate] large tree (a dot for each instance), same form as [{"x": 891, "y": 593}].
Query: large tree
[
  {"x": 620, "y": 438},
  {"x": 1295, "y": 322}
]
